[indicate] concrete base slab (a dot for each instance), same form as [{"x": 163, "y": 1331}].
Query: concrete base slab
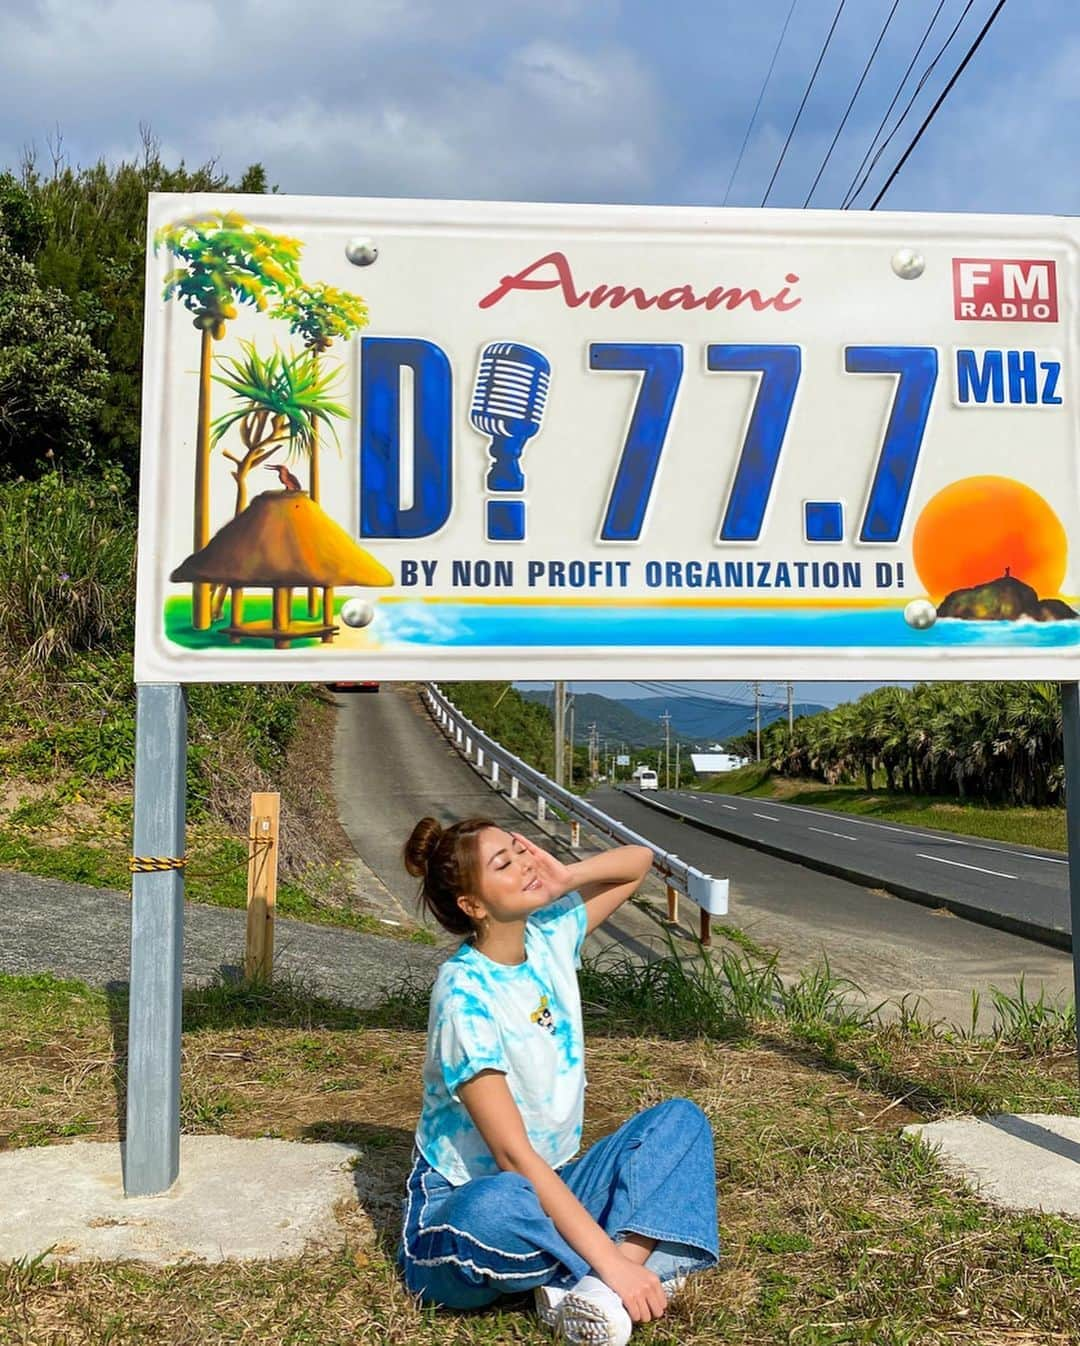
[
  {"x": 1027, "y": 1161},
  {"x": 234, "y": 1200}
]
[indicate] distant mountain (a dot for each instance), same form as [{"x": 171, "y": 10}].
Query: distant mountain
[
  {"x": 636, "y": 720},
  {"x": 615, "y": 721},
  {"x": 702, "y": 719}
]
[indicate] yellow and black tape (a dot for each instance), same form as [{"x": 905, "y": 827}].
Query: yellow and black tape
[{"x": 156, "y": 864}]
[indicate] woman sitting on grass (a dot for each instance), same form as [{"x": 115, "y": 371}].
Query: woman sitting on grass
[{"x": 496, "y": 1202}]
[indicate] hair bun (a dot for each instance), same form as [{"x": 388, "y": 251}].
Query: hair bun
[{"x": 421, "y": 846}]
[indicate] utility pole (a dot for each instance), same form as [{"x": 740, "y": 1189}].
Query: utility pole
[
  {"x": 666, "y": 718},
  {"x": 570, "y": 717},
  {"x": 790, "y": 711},
  {"x": 678, "y": 746},
  {"x": 757, "y": 719},
  {"x": 560, "y": 733},
  {"x": 592, "y": 751}
]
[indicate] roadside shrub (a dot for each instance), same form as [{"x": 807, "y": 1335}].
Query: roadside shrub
[{"x": 67, "y": 568}]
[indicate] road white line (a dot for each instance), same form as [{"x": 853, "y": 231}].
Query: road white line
[
  {"x": 925, "y": 836},
  {"x": 996, "y": 872},
  {"x": 729, "y": 806},
  {"x": 768, "y": 817},
  {"x": 827, "y": 833}
]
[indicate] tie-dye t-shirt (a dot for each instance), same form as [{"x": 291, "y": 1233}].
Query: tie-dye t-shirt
[{"x": 524, "y": 1021}]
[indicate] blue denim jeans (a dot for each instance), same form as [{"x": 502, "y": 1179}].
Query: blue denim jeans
[{"x": 464, "y": 1246}]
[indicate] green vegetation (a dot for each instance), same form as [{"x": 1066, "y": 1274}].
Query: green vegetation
[
  {"x": 835, "y": 1228},
  {"x": 993, "y": 742},
  {"x": 522, "y": 727},
  {"x": 1043, "y": 827},
  {"x": 67, "y": 720},
  {"x": 83, "y": 231},
  {"x": 52, "y": 378},
  {"x": 67, "y": 569},
  {"x": 282, "y": 399}
]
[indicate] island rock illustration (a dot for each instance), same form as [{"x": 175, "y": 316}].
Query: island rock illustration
[{"x": 1006, "y": 599}]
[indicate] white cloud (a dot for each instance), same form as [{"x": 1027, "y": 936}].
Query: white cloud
[{"x": 542, "y": 125}]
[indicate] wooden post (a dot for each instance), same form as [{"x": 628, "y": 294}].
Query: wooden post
[
  {"x": 236, "y": 612},
  {"x": 282, "y": 616},
  {"x": 672, "y": 904},
  {"x": 706, "y": 928},
  {"x": 514, "y": 786},
  {"x": 541, "y": 808},
  {"x": 494, "y": 773},
  {"x": 262, "y": 886},
  {"x": 575, "y": 833}
]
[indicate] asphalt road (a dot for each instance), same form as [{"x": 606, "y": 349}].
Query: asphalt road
[
  {"x": 71, "y": 930},
  {"x": 890, "y": 948},
  {"x": 392, "y": 766},
  {"x": 1016, "y": 887}
]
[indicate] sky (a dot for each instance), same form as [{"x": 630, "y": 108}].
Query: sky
[
  {"x": 572, "y": 100},
  {"x": 609, "y": 100}
]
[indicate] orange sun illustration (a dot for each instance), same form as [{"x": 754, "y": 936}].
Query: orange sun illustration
[{"x": 974, "y": 529}]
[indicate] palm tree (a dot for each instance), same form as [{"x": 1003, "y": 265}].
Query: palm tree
[
  {"x": 281, "y": 402},
  {"x": 223, "y": 261},
  {"x": 319, "y": 314}
]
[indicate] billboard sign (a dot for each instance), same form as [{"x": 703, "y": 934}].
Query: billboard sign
[{"x": 418, "y": 439}]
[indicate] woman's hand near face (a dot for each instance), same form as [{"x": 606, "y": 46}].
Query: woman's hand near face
[{"x": 552, "y": 873}]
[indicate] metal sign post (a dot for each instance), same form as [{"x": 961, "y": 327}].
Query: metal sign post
[
  {"x": 152, "y": 1151},
  {"x": 1070, "y": 729}
]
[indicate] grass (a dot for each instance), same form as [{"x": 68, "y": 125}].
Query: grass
[
  {"x": 66, "y": 759},
  {"x": 217, "y": 876},
  {"x": 834, "y": 1228},
  {"x": 1044, "y": 827}
]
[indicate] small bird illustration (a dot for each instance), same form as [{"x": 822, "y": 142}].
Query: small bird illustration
[{"x": 284, "y": 476}]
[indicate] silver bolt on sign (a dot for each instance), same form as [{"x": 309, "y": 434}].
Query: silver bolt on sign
[
  {"x": 361, "y": 251},
  {"x": 908, "y": 264}
]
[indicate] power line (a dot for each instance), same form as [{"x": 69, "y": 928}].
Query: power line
[
  {"x": 893, "y": 103},
  {"x": 732, "y": 698},
  {"x": 757, "y": 105},
  {"x": 911, "y": 101},
  {"x": 851, "y": 102},
  {"x": 941, "y": 98},
  {"x": 806, "y": 95}
]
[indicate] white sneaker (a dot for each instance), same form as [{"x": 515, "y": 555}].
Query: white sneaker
[
  {"x": 592, "y": 1314},
  {"x": 547, "y": 1299}
]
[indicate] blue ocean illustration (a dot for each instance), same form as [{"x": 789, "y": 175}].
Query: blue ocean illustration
[{"x": 525, "y": 625}]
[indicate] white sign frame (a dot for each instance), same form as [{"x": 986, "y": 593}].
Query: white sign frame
[{"x": 865, "y": 281}]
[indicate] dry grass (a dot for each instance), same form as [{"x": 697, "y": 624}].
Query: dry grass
[{"x": 834, "y": 1229}]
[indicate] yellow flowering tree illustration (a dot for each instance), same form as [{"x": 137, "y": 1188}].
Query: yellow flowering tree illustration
[
  {"x": 319, "y": 314},
  {"x": 222, "y": 261}
]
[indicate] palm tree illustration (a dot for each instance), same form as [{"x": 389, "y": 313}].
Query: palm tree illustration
[
  {"x": 280, "y": 402},
  {"x": 222, "y": 261},
  {"x": 319, "y": 314}
]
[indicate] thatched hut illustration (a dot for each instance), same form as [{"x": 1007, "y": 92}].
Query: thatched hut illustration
[{"x": 282, "y": 541}]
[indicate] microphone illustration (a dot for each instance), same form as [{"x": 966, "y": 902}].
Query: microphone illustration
[{"x": 508, "y": 404}]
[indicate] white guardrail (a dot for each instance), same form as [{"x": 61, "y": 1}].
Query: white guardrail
[{"x": 710, "y": 894}]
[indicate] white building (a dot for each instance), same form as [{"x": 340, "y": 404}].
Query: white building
[{"x": 715, "y": 763}]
